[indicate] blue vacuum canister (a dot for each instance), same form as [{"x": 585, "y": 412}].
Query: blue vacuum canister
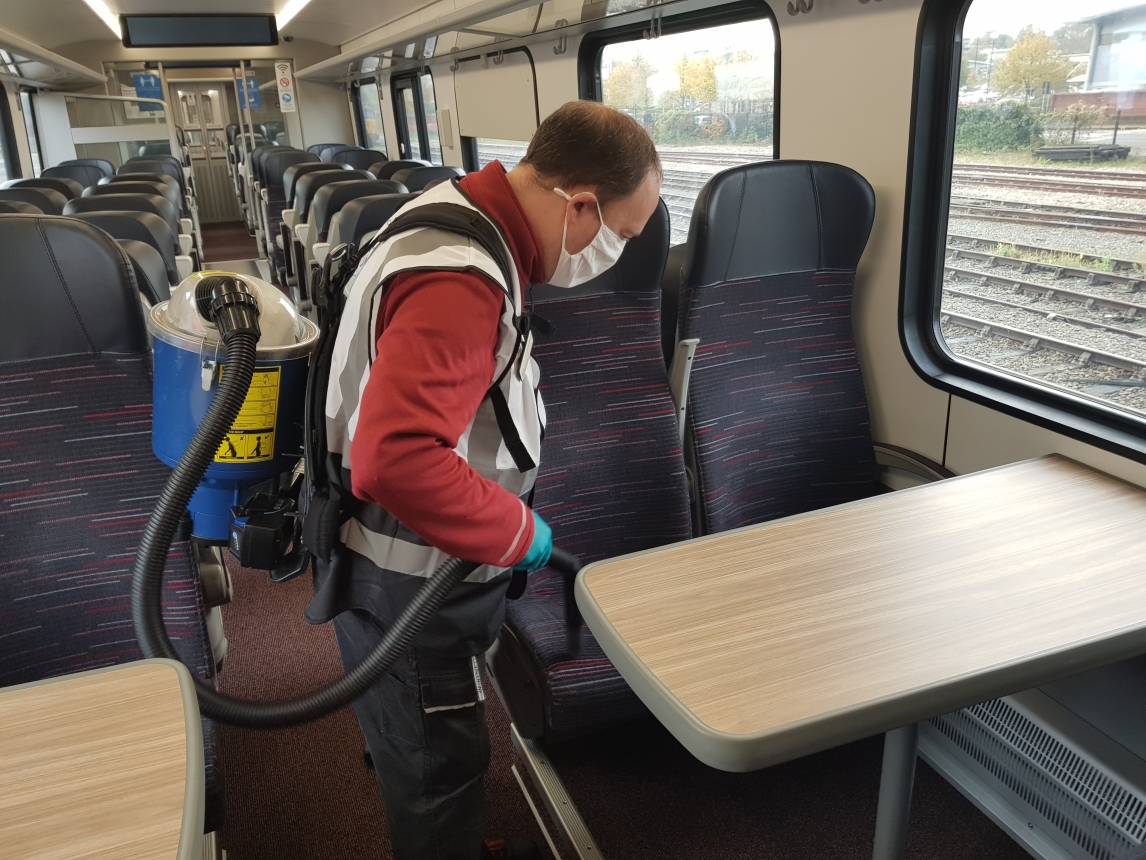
[{"x": 266, "y": 439}]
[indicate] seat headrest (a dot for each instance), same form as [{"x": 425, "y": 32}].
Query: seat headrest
[
  {"x": 151, "y": 165},
  {"x": 165, "y": 157},
  {"x": 146, "y": 227},
  {"x": 359, "y": 159},
  {"x": 276, "y": 164},
  {"x": 638, "y": 271},
  {"x": 307, "y": 186},
  {"x": 387, "y": 169},
  {"x": 150, "y": 272},
  {"x": 161, "y": 178},
  {"x": 776, "y": 217},
  {"x": 293, "y": 173},
  {"x": 317, "y": 148},
  {"x": 172, "y": 195},
  {"x": 366, "y": 214},
  {"x": 86, "y": 300},
  {"x": 45, "y": 199},
  {"x": 330, "y": 199},
  {"x": 416, "y": 178},
  {"x": 102, "y": 163},
  {"x": 68, "y": 187},
  {"x": 153, "y": 203},
  {"x": 19, "y": 207},
  {"x": 331, "y": 151}
]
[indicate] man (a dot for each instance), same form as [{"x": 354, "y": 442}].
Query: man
[{"x": 433, "y": 404}]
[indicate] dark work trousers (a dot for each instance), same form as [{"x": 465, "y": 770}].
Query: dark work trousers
[{"x": 424, "y": 724}]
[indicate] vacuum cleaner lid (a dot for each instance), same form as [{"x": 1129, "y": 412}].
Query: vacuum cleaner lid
[{"x": 285, "y": 333}]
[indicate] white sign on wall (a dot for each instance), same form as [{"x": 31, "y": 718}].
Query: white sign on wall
[{"x": 285, "y": 81}]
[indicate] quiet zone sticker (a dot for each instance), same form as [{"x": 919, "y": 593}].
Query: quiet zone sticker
[{"x": 251, "y": 438}]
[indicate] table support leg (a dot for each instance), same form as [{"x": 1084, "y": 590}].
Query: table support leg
[{"x": 899, "y": 750}]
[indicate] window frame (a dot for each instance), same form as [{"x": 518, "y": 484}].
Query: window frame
[
  {"x": 10, "y": 152},
  {"x": 412, "y": 79},
  {"x": 931, "y": 154},
  {"x": 30, "y": 114},
  {"x": 360, "y": 117},
  {"x": 593, "y": 45}
]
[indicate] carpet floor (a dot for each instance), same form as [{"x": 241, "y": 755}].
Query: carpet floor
[
  {"x": 228, "y": 241},
  {"x": 307, "y": 793}
]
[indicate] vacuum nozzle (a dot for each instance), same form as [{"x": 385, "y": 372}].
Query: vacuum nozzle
[{"x": 229, "y": 304}]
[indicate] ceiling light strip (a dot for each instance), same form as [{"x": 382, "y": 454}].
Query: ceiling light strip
[
  {"x": 289, "y": 11},
  {"x": 105, "y": 15}
]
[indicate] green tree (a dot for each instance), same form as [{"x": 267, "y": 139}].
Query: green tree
[
  {"x": 697, "y": 80},
  {"x": 1074, "y": 38},
  {"x": 628, "y": 84},
  {"x": 968, "y": 77},
  {"x": 1033, "y": 61}
]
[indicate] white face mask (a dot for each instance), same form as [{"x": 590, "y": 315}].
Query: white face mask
[{"x": 600, "y": 255}]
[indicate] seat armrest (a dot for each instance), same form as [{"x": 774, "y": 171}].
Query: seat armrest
[
  {"x": 187, "y": 174},
  {"x": 185, "y": 243},
  {"x": 265, "y": 194},
  {"x": 320, "y": 250},
  {"x": 185, "y": 225},
  {"x": 279, "y": 241},
  {"x": 895, "y": 457},
  {"x": 302, "y": 233},
  {"x": 290, "y": 217},
  {"x": 679, "y": 373},
  {"x": 184, "y": 265}
]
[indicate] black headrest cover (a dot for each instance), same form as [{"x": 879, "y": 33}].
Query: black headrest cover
[
  {"x": 331, "y": 198},
  {"x": 776, "y": 217},
  {"x": 85, "y": 301}
]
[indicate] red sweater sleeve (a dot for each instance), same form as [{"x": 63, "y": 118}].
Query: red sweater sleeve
[{"x": 435, "y": 362}]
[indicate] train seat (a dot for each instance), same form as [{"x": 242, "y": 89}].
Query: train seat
[
  {"x": 329, "y": 152},
  {"x": 417, "y": 178},
  {"x": 307, "y": 185},
  {"x": 159, "y": 178},
  {"x": 612, "y": 480},
  {"x": 767, "y": 288},
  {"x": 293, "y": 173},
  {"x": 364, "y": 216},
  {"x": 84, "y": 174},
  {"x": 102, "y": 163},
  {"x": 274, "y": 202},
  {"x": 150, "y": 150},
  {"x": 145, "y": 227},
  {"x": 317, "y": 148},
  {"x": 18, "y": 207},
  {"x": 154, "y": 203},
  {"x": 386, "y": 169},
  {"x": 359, "y": 159},
  {"x": 77, "y": 345},
  {"x": 330, "y": 199},
  {"x": 150, "y": 271},
  {"x": 45, "y": 199},
  {"x": 68, "y": 187},
  {"x": 169, "y": 192},
  {"x": 156, "y": 165}
]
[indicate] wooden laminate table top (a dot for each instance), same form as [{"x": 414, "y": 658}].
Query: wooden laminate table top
[
  {"x": 103, "y": 764},
  {"x": 774, "y": 641}
]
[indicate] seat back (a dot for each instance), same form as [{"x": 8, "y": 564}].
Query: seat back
[
  {"x": 359, "y": 159},
  {"x": 293, "y": 173},
  {"x": 153, "y": 203},
  {"x": 259, "y": 160},
  {"x": 777, "y": 415},
  {"x": 611, "y": 481},
  {"x": 417, "y": 178},
  {"x": 68, "y": 187},
  {"x": 387, "y": 169},
  {"x": 150, "y": 150},
  {"x": 18, "y": 207},
  {"x": 45, "y": 199},
  {"x": 329, "y": 152},
  {"x": 102, "y": 163},
  {"x": 332, "y": 197},
  {"x": 145, "y": 227},
  {"x": 150, "y": 273},
  {"x": 272, "y": 129},
  {"x": 76, "y": 346},
  {"x": 85, "y": 174},
  {"x": 307, "y": 185},
  {"x": 232, "y": 132},
  {"x": 161, "y": 166},
  {"x": 248, "y": 142},
  {"x": 317, "y": 148},
  {"x": 169, "y": 192},
  {"x": 364, "y": 215},
  {"x": 276, "y": 164}
]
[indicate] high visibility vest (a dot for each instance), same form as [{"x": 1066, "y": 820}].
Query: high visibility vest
[{"x": 503, "y": 439}]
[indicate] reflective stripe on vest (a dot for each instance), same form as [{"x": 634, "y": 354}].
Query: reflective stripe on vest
[{"x": 373, "y": 532}]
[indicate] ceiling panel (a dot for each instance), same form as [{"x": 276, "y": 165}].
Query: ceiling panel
[{"x": 335, "y": 22}]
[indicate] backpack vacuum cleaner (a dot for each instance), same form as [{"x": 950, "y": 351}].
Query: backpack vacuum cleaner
[{"x": 229, "y": 394}]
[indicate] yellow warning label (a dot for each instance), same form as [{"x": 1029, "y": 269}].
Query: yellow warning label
[{"x": 251, "y": 438}]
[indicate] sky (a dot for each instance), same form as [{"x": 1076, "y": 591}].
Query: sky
[
  {"x": 1009, "y": 17},
  {"x": 662, "y": 53}
]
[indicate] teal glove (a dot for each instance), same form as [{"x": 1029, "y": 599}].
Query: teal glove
[{"x": 539, "y": 550}]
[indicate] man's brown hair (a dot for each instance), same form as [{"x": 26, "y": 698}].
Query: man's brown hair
[{"x": 587, "y": 143}]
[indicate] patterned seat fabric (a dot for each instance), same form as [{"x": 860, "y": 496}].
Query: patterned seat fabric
[
  {"x": 79, "y": 478},
  {"x": 777, "y": 414},
  {"x": 611, "y": 481}
]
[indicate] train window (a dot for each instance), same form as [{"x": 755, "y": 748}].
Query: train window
[
  {"x": 508, "y": 152},
  {"x": 705, "y": 94},
  {"x": 1031, "y": 263},
  {"x": 416, "y": 113},
  {"x": 370, "y": 109},
  {"x": 9, "y": 160}
]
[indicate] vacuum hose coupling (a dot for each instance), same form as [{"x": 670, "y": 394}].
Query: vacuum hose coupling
[{"x": 229, "y": 304}]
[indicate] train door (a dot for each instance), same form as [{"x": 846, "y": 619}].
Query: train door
[
  {"x": 416, "y": 114},
  {"x": 202, "y": 110}
]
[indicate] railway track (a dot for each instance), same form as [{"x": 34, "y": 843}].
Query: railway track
[
  {"x": 976, "y": 242},
  {"x": 1030, "y": 341},
  {"x": 1069, "y": 172},
  {"x": 1130, "y": 283},
  {"x": 1042, "y": 216},
  {"x": 1104, "y": 189},
  {"x": 1087, "y": 300},
  {"x": 1049, "y": 315}
]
